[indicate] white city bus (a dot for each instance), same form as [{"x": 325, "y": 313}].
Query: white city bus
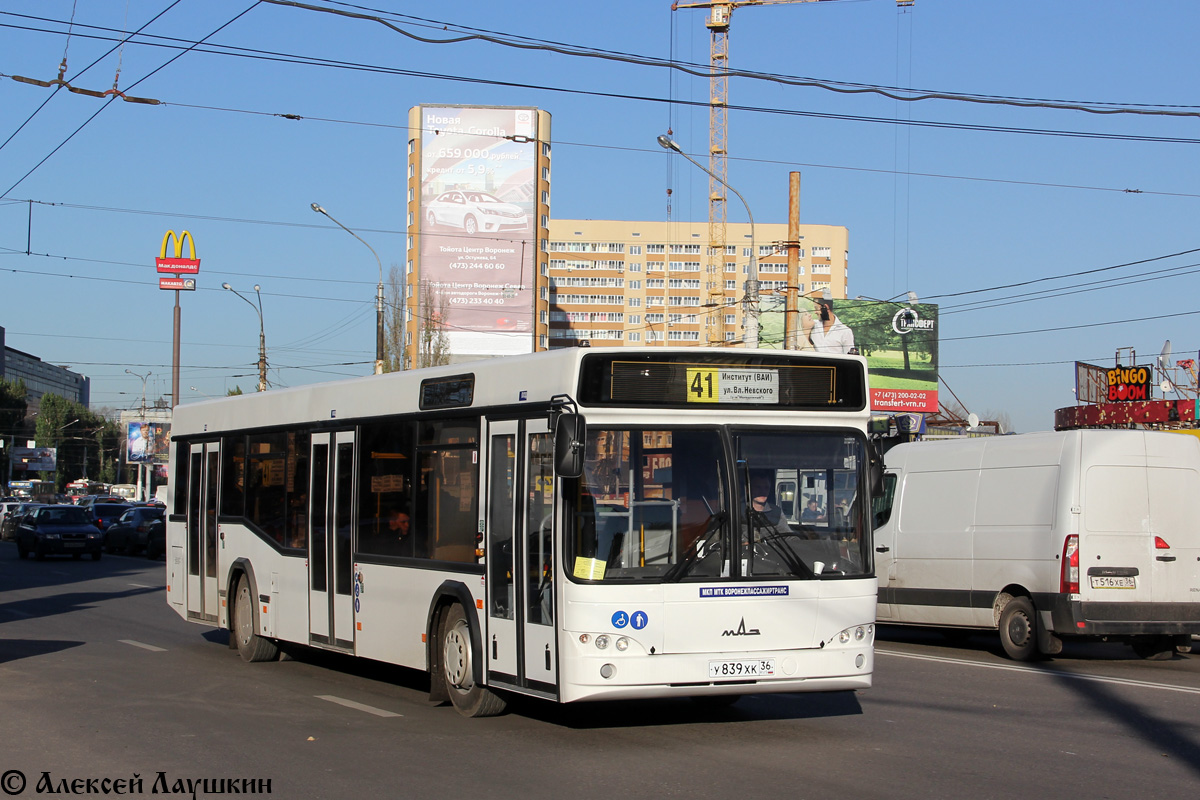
[{"x": 571, "y": 525}]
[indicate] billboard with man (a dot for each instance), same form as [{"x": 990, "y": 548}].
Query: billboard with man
[
  {"x": 899, "y": 341},
  {"x": 147, "y": 442},
  {"x": 478, "y": 244}
]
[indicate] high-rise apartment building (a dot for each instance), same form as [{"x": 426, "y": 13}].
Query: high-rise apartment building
[{"x": 615, "y": 282}]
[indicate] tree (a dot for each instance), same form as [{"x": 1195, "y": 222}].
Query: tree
[
  {"x": 234, "y": 392},
  {"x": 434, "y": 344},
  {"x": 393, "y": 330},
  {"x": 13, "y": 407},
  {"x": 87, "y": 444}
]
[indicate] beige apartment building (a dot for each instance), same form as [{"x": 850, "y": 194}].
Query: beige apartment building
[{"x": 617, "y": 282}]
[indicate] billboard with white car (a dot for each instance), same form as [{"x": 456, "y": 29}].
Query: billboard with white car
[{"x": 477, "y": 208}]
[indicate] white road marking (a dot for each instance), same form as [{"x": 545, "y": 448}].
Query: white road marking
[
  {"x": 341, "y": 701},
  {"x": 1045, "y": 672},
  {"x": 142, "y": 586},
  {"x": 16, "y": 613},
  {"x": 144, "y": 646}
]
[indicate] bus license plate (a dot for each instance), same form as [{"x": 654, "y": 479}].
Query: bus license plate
[
  {"x": 1113, "y": 581},
  {"x": 757, "y": 668}
]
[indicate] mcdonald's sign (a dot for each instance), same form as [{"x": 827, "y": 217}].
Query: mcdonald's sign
[{"x": 178, "y": 264}]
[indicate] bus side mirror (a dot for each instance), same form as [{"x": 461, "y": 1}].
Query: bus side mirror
[{"x": 569, "y": 445}]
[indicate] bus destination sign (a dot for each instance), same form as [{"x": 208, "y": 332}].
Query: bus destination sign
[{"x": 725, "y": 385}]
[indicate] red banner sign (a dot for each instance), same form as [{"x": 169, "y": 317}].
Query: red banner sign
[{"x": 919, "y": 400}]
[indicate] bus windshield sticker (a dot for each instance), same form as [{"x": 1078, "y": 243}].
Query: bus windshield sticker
[
  {"x": 744, "y": 591},
  {"x": 589, "y": 569},
  {"x": 725, "y": 385}
]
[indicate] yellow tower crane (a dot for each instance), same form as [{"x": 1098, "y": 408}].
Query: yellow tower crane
[{"x": 718, "y": 133}]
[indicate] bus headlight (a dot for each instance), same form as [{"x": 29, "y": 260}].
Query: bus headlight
[
  {"x": 860, "y": 634},
  {"x": 602, "y": 641},
  {"x": 622, "y": 644}
]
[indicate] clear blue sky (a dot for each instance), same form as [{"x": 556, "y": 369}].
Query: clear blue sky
[{"x": 933, "y": 209}]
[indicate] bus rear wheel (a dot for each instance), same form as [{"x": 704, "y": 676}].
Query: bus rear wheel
[
  {"x": 458, "y": 657},
  {"x": 251, "y": 647}
]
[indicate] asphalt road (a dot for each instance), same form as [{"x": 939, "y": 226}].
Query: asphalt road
[{"x": 100, "y": 680}]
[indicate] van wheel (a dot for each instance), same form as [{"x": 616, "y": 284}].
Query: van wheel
[
  {"x": 1018, "y": 629},
  {"x": 251, "y": 646},
  {"x": 1154, "y": 648},
  {"x": 469, "y": 698}
]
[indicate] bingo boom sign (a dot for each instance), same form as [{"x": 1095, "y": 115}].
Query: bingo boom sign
[{"x": 1129, "y": 383}]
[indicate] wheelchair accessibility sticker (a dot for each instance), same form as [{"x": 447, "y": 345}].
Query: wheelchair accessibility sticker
[{"x": 637, "y": 620}]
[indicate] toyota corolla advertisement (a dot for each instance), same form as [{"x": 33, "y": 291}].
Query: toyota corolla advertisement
[{"x": 478, "y": 239}]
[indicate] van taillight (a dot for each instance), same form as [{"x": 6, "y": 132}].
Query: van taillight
[
  {"x": 1070, "y": 566},
  {"x": 1161, "y": 544}
]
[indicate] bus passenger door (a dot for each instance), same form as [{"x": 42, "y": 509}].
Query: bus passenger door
[
  {"x": 202, "y": 489},
  {"x": 521, "y": 651},
  {"x": 541, "y": 568},
  {"x": 330, "y": 527},
  {"x": 501, "y": 579}
]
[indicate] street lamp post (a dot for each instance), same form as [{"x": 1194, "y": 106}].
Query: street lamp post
[
  {"x": 262, "y": 337},
  {"x": 751, "y": 313},
  {"x": 141, "y": 465},
  {"x": 378, "y": 292}
]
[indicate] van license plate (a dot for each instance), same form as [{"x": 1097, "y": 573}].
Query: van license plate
[
  {"x": 1113, "y": 581},
  {"x": 758, "y": 668}
]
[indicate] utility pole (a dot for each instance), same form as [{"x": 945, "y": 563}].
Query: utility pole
[{"x": 791, "y": 314}]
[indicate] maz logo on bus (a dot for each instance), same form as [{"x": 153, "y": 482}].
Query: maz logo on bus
[{"x": 741, "y": 630}]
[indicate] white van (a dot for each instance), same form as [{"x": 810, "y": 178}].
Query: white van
[{"x": 1088, "y": 533}]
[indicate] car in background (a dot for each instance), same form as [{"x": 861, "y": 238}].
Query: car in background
[
  {"x": 156, "y": 538},
  {"x": 130, "y": 532},
  {"x": 474, "y": 212},
  {"x": 91, "y": 499},
  {"x": 58, "y": 530},
  {"x": 6, "y": 506},
  {"x": 8, "y": 529},
  {"x": 105, "y": 514}
]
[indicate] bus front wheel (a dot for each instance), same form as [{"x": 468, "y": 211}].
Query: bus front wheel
[
  {"x": 251, "y": 647},
  {"x": 469, "y": 698}
]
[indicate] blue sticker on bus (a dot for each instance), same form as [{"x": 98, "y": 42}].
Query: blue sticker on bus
[
  {"x": 620, "y": 619},
  {"x": 744, "y": 591},
  {"x": 639, "y": 620}
]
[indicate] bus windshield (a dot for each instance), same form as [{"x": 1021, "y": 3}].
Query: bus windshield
[{"x": 672, "y": 504}]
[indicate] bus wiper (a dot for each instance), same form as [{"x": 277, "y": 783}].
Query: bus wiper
[
  {"x": 775, "y": 540},
  {"x": 715, "y": 523}
]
